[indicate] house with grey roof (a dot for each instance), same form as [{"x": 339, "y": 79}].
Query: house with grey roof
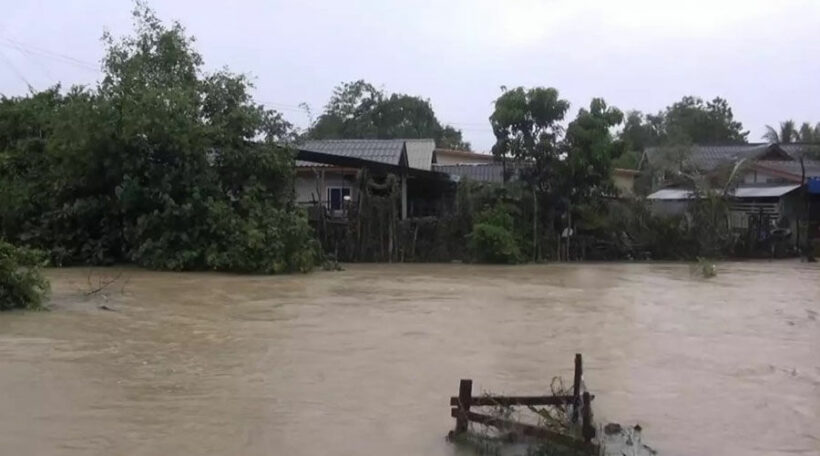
[
  {"x": 327, "y": 170},
  {"x": 767, "y": 193}
]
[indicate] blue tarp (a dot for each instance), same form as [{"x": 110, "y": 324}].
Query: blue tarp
[{"x": 814, "y": 185}]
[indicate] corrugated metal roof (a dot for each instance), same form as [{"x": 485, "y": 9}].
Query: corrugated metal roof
[
  {"x": 764, "y": 192},
  {"x": 708, "y": 157},
  {"x": 740, "y": 192},
  {"x": 387, "y": 151},
  {"x": 481, "y": 172},
  {"x": 420, "y": 153},
  {"x": 671, "y": 194}
]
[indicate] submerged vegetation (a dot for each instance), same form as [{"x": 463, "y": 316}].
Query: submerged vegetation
[{"x": 22, "y": 285}]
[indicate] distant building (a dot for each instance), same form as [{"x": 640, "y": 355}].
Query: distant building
[
  {"x": 767, "y": 192},
  {"x": 327, "y": 170}
]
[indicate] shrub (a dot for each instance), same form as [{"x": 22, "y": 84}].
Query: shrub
[
  {"x": 493, "y": 244},
  {"x": 22, "y": 286}
]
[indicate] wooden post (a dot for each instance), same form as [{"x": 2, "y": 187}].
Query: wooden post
[
  {"x": 404, "y": 196},
  {"x": 576, "y": 386},
  {"x": 587, "y": 430},
  {"x": 465, "y": 394}
]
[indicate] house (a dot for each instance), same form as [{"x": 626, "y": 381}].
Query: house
[
  {"x": 767, "y": 194},
  {"x": 327, "y": 172}
]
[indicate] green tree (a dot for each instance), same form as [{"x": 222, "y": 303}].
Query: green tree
[
  {"x": 590, "y": 149},
  {"x": 161, "y": 164},
  {"x": 527, "y": 128},
  {"x": 641, "y": 131},
  {"x": 808, "y": 133},
  {"x": 690, "y": 120},
  {"x": 358, "y": 110},
  {"x": 788, "y": 133},
  {"x": 703, "y": 123}
]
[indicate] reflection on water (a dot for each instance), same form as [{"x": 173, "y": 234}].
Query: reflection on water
[{"x": 362, "y": 362}]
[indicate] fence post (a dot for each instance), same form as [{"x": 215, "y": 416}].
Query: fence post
[
  {"x": 576, "y": 387},
  {"x": 465, "y": 395},
  {"x": 587, "y": 430}
]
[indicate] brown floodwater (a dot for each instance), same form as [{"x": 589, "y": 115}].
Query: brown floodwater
[{"x": 362, "y": 362}]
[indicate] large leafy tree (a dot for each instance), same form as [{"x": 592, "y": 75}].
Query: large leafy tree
[
  {"x": 688, "y": 121},
  {"x": 703, "y": 122},
  {"x": 808, "y": 133},
  {"x": 527, "y": 128},
  {"x": 161, "y": 164},
  {"x": 358, "y": 110},
  {"x": 590, "y": 150}
]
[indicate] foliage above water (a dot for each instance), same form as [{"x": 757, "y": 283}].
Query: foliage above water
[
  {"x": 161, "y": 164},
  {"x": 359, "y": 110},
  {"x": 22, "y": 285},
  {"x": 492, "y": 239}
]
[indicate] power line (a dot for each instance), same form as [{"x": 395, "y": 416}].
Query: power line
[
  {"x": 32, "y": 50},
  {"x": 16, "y": 71},
  {"x": 29, "y": 56}
]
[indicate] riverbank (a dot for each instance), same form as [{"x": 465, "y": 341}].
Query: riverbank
[{"x": 208, "y": 363}]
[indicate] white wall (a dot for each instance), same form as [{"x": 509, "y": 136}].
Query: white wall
[
  {"x": 306, "y": 184},
  {"x": 755, "y": 176}
]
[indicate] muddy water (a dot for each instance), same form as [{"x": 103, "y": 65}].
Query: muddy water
[{"x": 361, "y": 362}]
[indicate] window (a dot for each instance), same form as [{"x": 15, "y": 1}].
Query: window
[{"x": 336, "y": 197}]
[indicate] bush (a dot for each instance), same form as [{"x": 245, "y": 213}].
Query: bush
[
  {"x": 492, "y": 239},
  {"x": 22, "y": 286},
  {"x": 493, "y": 244}
]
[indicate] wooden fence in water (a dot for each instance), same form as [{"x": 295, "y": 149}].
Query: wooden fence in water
[{"x": 581, "y": 403}]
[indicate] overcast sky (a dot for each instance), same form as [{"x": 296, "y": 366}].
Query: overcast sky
[{"x": 763, "y": 56}]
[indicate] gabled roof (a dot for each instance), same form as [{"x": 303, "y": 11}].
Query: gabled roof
[
  {"x": 420, "y": 153},
  {"x": 710, "y": 157},
  {"x": 386, "y": 151}
]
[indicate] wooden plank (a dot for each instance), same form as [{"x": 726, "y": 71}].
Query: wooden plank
[
  {"x": 527, "y": 429},
  {"x": 576, "y": 386},
  {"x": 465, "y": 391},
  {"x": 509, "y": 401}
]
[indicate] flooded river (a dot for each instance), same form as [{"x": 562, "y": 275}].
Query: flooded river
[{"x": 362, "y": 362}]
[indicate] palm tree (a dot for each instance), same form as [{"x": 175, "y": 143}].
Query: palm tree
[
  {"x": 809, "y": 134},
  {"x": 788, "y": 133}
]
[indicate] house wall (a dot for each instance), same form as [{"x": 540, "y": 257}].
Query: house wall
[
  {"x": 755, "y": 176},
  {"x": 447, "y": 158},
  {"x": 306, "y": 184}
]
